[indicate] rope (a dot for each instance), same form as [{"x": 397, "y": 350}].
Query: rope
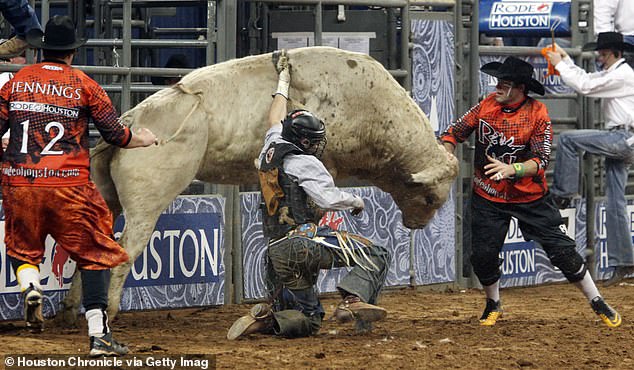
[
  {"x": 185, "y": 90},
  {"x": 280, "y": 61}
]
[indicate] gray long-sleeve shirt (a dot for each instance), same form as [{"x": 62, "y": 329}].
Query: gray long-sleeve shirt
[{"x": 312, "y": 176}]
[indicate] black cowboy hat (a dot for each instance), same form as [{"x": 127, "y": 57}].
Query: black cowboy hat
[
  {"x": 609, "y": 40},
  {"x": 59, "y": 35},
  {"x": 516, "y": 70}
]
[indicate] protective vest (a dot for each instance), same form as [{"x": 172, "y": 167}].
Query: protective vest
[{"x": 284, "y": 203}]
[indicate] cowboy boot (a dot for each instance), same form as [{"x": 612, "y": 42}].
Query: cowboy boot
[
  {"x": 352, "y": 308},
  {"x": 13, "y": 47},
  {"x": 259, "y": 320}
]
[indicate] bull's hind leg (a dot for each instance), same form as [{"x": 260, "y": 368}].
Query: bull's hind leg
[
  {"x": 71, "y": 303},
  {"x": 147, "y": 181}
]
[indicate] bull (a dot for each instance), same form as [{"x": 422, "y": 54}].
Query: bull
[{"x": 212, "y": 125}]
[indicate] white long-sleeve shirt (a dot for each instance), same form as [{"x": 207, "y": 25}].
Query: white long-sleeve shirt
[
  {"x": 615, "y": 86},
  {"x": 312, "y": 176},
  {"x": 614, "y": 15}
]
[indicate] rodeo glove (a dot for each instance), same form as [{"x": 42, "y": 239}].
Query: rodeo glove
[
  {"x": 358, "y": 206},
  {"x": 284, "y": 82}
]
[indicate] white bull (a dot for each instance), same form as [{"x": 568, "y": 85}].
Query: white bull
[{"x": 212, "y": 126}]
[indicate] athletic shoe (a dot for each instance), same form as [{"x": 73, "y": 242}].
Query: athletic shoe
[
  {"x": 33, "y": 308},
  {"x": 259, "y": 320},
  {"x": 609, "y": 315},
  {"x": 353, "y": 309},
  {"x": 12, "y": 47},
  {"x": 620, "y": 272},
  {"x": 106, "y": 346},
  {"x": 492, "y": 312}
]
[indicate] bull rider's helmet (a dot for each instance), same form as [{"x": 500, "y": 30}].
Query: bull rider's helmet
[{"x": 303, "y": 129}]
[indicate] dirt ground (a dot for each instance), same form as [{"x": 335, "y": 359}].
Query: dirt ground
[{"x": 545, "y": 327}]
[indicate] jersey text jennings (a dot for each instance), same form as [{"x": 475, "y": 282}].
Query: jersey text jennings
[{"x": 68, "y": 92}]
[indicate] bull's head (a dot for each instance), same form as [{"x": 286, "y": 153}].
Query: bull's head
[
  {"x": 424, "y": 192},
  {"x": 419, "y": 203}
]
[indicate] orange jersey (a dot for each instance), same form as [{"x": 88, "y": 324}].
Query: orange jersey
[
  {"x": 511, "y": 134},
  {"x": 47, "y": 107}
]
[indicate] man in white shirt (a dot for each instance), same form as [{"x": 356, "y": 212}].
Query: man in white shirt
[
  {"x": 615, "y": 85},
  {"x": 614, "y": 15},
  {"x": 296, "y": 190}
]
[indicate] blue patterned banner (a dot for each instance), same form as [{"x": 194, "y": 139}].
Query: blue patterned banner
[
  {"x": 433, "y": 90},
  {"x": 184, "y": 249},
  {"x": 575, "y": 219},
  {"x": 601, "y": 256},
  {"x": 433, "y": 71},
  {"x": 201, "y": 219}
]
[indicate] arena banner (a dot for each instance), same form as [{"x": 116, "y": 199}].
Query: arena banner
[
  {"x": 182, "y": 266},
  {"x": 527, "y": 18},
  {"x": 602, "y": 256},
  {"x": 433, "y": 78}
]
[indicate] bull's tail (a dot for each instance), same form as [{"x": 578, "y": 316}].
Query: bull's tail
[{"x": 100, "y": 159}]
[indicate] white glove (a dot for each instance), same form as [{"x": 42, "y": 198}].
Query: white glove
[
  {"x": 359, "y": 205},
  {"x": 283, "y": 83}
]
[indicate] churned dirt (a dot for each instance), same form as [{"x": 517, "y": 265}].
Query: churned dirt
[{"x": 544, "y": 327}]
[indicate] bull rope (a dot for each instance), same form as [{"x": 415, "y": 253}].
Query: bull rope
[
  {"x": 280, "y": 61},
  {"x": 98, "y": 150},
  {"x": 185, "y": 90}
]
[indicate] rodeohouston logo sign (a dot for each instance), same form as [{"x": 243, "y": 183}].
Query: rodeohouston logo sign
[
  {"x": 183, "y": 249},
  {"x": 505, "y": 15},
  {"x": 518, "y": 256},
  {"x": 528, "y": 18}
]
